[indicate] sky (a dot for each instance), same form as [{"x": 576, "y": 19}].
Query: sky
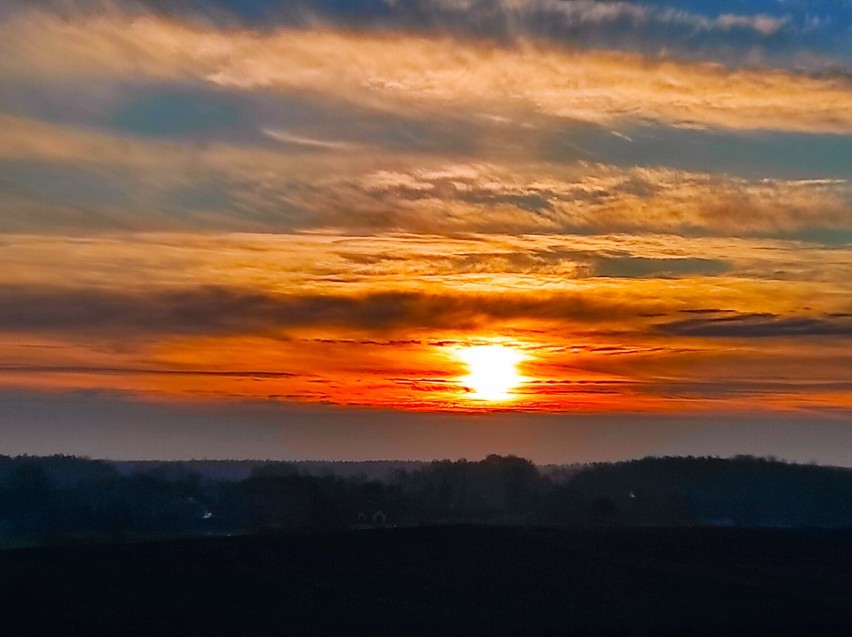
[{"x": 256, "y": 229}]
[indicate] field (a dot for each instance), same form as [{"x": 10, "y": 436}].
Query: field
[{"x": 438, "y": 581}]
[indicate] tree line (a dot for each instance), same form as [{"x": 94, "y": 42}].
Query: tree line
[{"x": 66, "y": 497}]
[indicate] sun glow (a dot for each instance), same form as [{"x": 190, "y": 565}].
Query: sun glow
[{"x": 493, "y": 371}]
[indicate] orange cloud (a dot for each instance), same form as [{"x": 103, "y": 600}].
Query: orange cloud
[{"x": 369, "y": 320}]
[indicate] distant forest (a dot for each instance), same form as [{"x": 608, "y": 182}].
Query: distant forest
[{"x": 65, "y": 498}]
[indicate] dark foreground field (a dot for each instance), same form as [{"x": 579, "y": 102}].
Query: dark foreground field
[{"x": 439, "y": 581}]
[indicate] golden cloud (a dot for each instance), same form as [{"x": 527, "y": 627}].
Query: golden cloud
[
  {"x": 333, "y": 189},
  {"x": 403, "y": 72}
]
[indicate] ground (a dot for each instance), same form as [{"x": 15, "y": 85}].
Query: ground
[{"x": 439, "y": 581}]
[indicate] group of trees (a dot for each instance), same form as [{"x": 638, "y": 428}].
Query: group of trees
[{"x": 62, "y": 496}]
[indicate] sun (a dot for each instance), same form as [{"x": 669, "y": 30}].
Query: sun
[{"x": 493, "y": 371}]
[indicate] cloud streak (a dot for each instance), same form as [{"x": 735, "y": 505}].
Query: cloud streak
[
  {"x": 726, "y": 32},
  {"x": 760, "y": 326}
]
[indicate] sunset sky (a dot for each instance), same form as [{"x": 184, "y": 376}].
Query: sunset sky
[{"x": 246, "y": 228}]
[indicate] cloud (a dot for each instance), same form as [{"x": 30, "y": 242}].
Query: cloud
[
  {"x": 140, "y": 371},
  {"x": 708, "y": 310},
  {"x": 600, "y": 21},
  {"x": 759, "y": 326},
  {"x": 648, "y": 27},
  {"x": 764, "y": 273},
  {"x": 395, "y": 71},
  {"x": 766, "y": 389},
  {"x": 218, "y": 310},
  {"x": 221, "y": 310},
  {"x": 536, "y": 198},
  {"x": 61, "y": 178},
  {"x": 416, "y": 175},
  {"x": 764, "y": 24},
  {"x": 298, "y": 140},
  {"x": 498, "y": 18},
  {"x": 630, "y": 267}
]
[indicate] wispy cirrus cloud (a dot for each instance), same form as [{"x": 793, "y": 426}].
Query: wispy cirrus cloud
[
  {"x": 600, "y": 197},
  {"x": 230, "y": 186},
  {"x": 397, "y": 71},
  {"x": 728, "y": 31},
  {"x": 334, "y": 262}
]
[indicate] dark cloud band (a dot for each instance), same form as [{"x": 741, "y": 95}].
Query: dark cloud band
[
  {"x": 759, "y": 326},
  {"x": 221, "y": 310}
]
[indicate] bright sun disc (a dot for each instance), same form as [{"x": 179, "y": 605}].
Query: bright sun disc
[{"x": 493, "y": 371}]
